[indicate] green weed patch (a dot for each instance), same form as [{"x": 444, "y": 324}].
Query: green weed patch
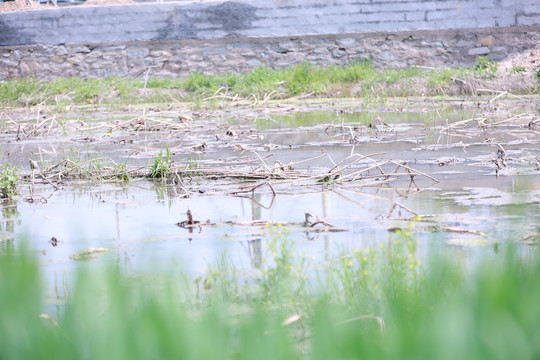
[{"x": 359, "y": 78}]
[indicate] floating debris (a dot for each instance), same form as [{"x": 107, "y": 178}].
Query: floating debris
[
  {"x": 89, "y": 254},
  {"x": 201, "y": 147},
  {"x": 531, "y": 239},
  {"x": 316, "y": 221},
  {"x": 189, "y": 223},
  {"x": 54, "y": 241}
]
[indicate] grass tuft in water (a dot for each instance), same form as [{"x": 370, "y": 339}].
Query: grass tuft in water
[
  {"x": 161, "y": 166},
  {"x": 8, "y": 181}
]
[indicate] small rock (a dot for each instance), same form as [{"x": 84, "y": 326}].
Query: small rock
[
  {"x": 81, "y": 49},
  {"x": 338, "y": 53},
  {"x": 160, "y": 54},
  {"x": 488, "y": 41},
  {"x": 347, "y": 42},
  {"x": 479, "y": 51}
]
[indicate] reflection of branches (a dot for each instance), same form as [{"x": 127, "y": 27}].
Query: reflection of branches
[
  {"x": 9, "y": 215},
  {"x": 252, "y": 198},
  {"x": 396, "y": 204},
  {"x": 311, "y": 238},
  {"x": 360, "y": 204},
  {"x": 261, "y": 205},
  {"x": 412, "y": 189}
]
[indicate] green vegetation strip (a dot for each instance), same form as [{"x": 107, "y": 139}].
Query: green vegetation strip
[
  {"x": 359, "y": 78},
  {"x": 378, "y": 303}
]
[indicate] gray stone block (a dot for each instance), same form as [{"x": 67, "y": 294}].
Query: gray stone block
[
  {"x": 478, "y": 51},
  {"x": 528, "y": 19}
]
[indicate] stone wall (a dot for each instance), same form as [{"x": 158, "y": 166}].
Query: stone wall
[
  {"x": 173, "y": 39},
  {"x": 179, "y": 57}
]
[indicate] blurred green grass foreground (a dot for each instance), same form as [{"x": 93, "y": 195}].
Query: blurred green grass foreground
[{"x": 375, "y": 303}]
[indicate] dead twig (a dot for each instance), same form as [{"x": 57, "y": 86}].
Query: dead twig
[
  {"x": 519, "y": 117},
  {"x": 317, "y": 221},
  {"x": 235, "y": 163},
  {"x": 262, "y": 161},
  {"x": 303, "y": 96},
  {"x": 460, "y": 123},
  {"x": 415, "y": 171},
  {"x": 463, "y": 231},
  {"x": 500, "y": 93},
  {"x": 355, "y": 174},
  {"x": 361, "y": 157},
  {"x": 252, "y": 188},
  {"x": 379, "y": 319},
  {"x": 34, "y": 167},
  {"x": 49, "y": 319}
]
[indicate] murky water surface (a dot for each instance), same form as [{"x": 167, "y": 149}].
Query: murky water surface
[{"x": 476, "y": 183}]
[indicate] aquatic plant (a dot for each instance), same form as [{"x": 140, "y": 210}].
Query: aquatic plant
[
  {"x": 161, "y": 166},
  {"x": 122, "y": 172},
  {"x": 8, "y": 181}
]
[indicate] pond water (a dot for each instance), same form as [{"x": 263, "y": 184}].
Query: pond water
[{"x": 476, "y": 183}]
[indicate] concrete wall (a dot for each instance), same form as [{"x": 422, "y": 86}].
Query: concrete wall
[{"x": 255, "y": 18}]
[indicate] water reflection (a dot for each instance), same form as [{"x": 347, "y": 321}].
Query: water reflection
[
  {"x": 10, "y": 217},
  {"x": 141, "y": 216},
  {"x": 255, "y": 246},
  {"x": 326, "y": 215}
]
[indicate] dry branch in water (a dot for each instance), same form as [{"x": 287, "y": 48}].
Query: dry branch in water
[
  {"x": 355, "y": 170},
  {"x": 316, "y": 221},
  {"x": 189, "y": 223},
  {"x": 490, "y": 120}
]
